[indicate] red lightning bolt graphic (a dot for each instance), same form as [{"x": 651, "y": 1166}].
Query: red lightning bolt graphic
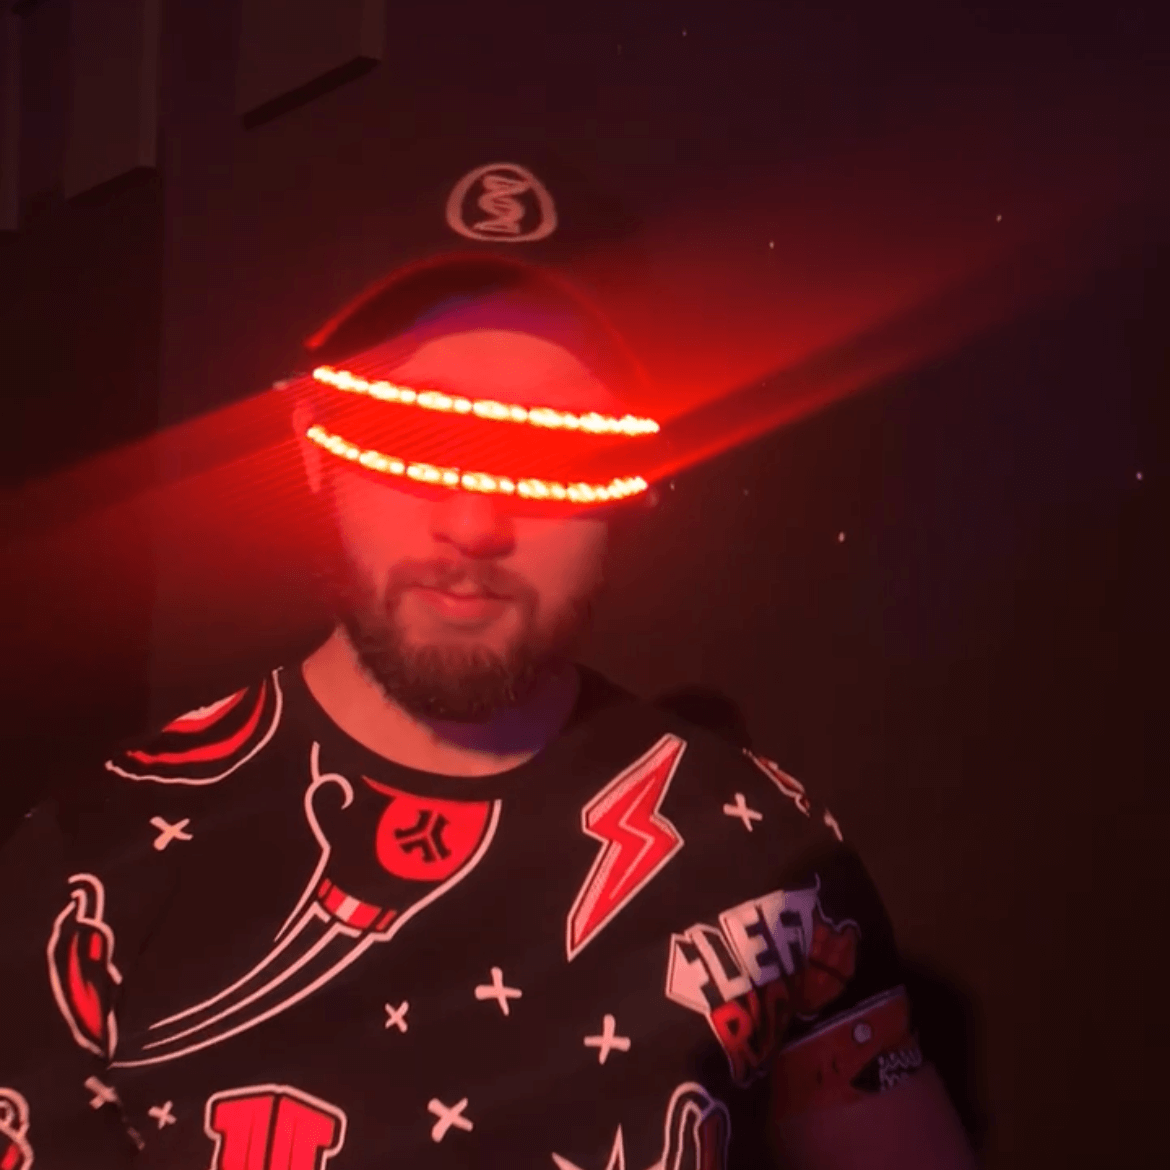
[{"x": 636, "y": 840}]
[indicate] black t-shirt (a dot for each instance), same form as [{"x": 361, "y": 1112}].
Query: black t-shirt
[{"x": 253, "y": 944}]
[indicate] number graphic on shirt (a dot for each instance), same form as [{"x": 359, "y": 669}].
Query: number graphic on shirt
[{"x": 272, "y": 1127}]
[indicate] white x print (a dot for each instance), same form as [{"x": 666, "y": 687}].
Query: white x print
[
  {"x": 168, "y": 832},
  {"x": 497, "y": 991},
  {"x": 448, "y": 1117},
  {"x": 102, "y": 1093},
  {"x": 162, "y": 1113},
  {"x": 740, "y": 809},
  {"x": 396, "y": 1016},
  {"x": 608, "y": 1040}
]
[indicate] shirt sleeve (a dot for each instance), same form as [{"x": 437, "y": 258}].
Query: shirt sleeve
[
  {"x": 845, "y": 1026},
  {"x": 57, "y": 996}
]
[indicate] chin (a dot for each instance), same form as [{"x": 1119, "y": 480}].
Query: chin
[{"x": 476, "y": 643}]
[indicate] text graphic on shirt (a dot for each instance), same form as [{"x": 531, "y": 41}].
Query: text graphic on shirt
[
  {"x": 768, "y": 960},
  {"x": 15, "y": 1151},
  {"x": 272, "y": 1127}
]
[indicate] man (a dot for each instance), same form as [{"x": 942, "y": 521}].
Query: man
[{"x": 437, "y": 896}]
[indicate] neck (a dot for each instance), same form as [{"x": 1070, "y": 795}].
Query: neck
[{"x": 361, "y": 709}]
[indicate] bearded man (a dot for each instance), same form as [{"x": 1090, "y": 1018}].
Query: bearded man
[{"x": 438, "y": 896}]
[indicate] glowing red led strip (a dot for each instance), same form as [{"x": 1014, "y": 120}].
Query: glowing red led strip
[
  {"x": 537, "y": 416},
  {"x": 477, "y": 481}
]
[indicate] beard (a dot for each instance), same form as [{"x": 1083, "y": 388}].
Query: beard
[{"x": 459, "y": 683}]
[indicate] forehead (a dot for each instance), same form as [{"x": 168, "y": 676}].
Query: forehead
[{"x": 517, "y": 368}]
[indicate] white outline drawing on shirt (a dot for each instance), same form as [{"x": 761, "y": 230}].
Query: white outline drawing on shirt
[
  {"x": 201, "y": 713},
  {"x": 696, "y": 1135},
  {"x": 311, "y": 930},
  {"x": 87, "y": 908},
  {"x": 14, "y": 1125},
  {"x": 616, "y": 1160},
  {"x": 789, "y": 785}
]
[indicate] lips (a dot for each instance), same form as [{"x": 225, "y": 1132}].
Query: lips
[{"x": 462, "y": 609}]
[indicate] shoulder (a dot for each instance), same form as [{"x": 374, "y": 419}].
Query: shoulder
[
  {"x": 133, "y": 814},
  {"x": 688, "y": 753},
  {"x": 779, "y": 931},
  {"x": 774, "y": 930},
  {"x": 125, "y": 801},
  {"x": 731, "y": 785},
  {"x": 208, "y": 743},
  {"x": 731, "y": 822}
]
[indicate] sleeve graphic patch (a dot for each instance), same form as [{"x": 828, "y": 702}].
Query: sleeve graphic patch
[
  {"x": 636, "y": 839},
  {"x": 209, "y": 743},
  {"x": 15, "y": 1151},
  {"x": 385, "y": 855},
  {"x": 272, "y": 1127},
  {"x": 82, "y": 973},
  {"x": 767, "y": 961},
  {"x": 870, "y": 1050}
]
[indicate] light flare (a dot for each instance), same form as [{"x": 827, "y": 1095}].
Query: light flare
[
  {"x": 486, "y": 408},
  {"x": 477, "y": 481}
]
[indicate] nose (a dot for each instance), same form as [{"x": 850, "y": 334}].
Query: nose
[{"x": 473, "y": 523}]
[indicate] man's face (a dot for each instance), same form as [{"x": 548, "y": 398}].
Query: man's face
[{"x": 456, "y": 602}]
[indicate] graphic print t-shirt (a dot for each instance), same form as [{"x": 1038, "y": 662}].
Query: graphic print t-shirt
[{"x": 256, "y": 945}]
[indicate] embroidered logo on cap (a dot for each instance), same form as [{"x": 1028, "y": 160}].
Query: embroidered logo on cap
[{"x": 502, "y": 202}]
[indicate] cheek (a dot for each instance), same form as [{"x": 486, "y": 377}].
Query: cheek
[
  {"x": 567, "y": 558},
  {"x": 375, "y": 523}
]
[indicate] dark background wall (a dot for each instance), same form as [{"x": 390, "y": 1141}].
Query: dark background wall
[{"x": 937, "y": 602}]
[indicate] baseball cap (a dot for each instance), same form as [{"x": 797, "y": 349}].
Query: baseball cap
[{"x": 595, "y": 447}]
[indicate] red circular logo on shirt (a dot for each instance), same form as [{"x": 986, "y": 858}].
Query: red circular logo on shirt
[{"x": 427, "y": 840}]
